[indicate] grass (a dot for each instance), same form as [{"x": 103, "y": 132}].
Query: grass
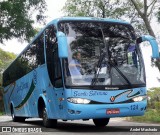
[
  {"x": 1, "y": 113},
  {"x": 151, "y": 116}
]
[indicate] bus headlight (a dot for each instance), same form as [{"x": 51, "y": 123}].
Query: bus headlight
[
  {"x": 78, "y": 100},
  {"x": 139, "y": 98}
]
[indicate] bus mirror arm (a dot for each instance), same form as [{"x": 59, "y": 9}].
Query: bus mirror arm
[
  {"x": 62, "y": 45},
  {"x": 153, "y": 43}
]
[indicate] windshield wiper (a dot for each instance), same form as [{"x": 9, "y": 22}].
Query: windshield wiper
[
  {"x": 99, "y": 66},
  {"x": 123, "y": 76}
]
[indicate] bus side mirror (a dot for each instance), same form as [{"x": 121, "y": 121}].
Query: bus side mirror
[
  {"x": 153, "y": 42},
  {"x": 62, "y": 45}
]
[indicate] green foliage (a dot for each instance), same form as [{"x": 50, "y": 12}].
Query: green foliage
[
  {"x": 150, "y": 116},
  {"x": 16, "y": 18},
  {"x": 154, "y": 95},
  {"x": 5, "y": 59},
  {"x": 153, "y": 109},
  {"x": 94, "y": 8},
  {"x": 1, "y": 113},
  {"x": 157, "y": 106}
]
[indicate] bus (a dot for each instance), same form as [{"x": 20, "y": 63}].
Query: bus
[{"x": 79, "y": 68}]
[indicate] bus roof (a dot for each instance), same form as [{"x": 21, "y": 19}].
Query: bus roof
[{"x": 87, "y": 19}]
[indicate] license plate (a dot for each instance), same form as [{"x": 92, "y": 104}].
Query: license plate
[{"x": 113, "y": 111}]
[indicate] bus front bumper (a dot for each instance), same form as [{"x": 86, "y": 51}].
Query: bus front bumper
[{"x": 92, "y": 111}]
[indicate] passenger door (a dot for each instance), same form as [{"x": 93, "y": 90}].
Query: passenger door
[{"x": 55, "y": 70}]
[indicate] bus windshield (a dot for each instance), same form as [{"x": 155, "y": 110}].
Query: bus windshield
[{"x": 102, "y": 54}]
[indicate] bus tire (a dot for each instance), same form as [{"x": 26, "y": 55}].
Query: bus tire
[
  {"x": 101, "y": 122},
  {"x": 48, "y": 123},
  {"x": 15, "y": 118}
]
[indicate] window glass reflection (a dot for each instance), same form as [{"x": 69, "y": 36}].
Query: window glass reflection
[
  {"x": 102, "y": 54},
  {"x": 30, "y": 59}
]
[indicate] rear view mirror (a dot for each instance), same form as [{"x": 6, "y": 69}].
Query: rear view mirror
[
  {"x": 62, "y": 45},
  {"x": 153, "y": 42}
]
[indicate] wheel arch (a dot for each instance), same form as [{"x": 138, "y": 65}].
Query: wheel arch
[
  {"x": 11, "y": 106},
  {"x": 41, "y": 103}
]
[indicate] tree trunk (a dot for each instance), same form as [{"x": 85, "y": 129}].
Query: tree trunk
[
  {"x": 148, "y": 26},
  {"x": 144, "y": 16},
  {"x": 103, "y": 12}
]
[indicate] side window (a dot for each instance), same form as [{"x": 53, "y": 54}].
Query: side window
[
  {"x": 16, "y": 70},
  {"x": 34, "y": 55},
  {"x": 40, "y": 50},
  {"x": 30, "y": 59},
  {"x": 6, "y": 78},
  {"x": 52, "y": 59}
]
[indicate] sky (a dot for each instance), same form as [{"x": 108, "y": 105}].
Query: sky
[
  {"x": 152, "y": 73},
  {"x": 54, "y": 11}
]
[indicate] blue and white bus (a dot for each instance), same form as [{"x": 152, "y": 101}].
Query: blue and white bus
[{"x": 79, "y": 68}]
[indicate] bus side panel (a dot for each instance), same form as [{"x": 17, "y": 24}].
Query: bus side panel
[
  {"x": 40, "y": 81},
  {"x": 25, "y": 93},
  {"x": 6, "y": 95},
  {"x": 46, "y": 91},
  {"x": 20, "y": 96}
]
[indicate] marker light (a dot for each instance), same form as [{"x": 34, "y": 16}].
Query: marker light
[
  {"x": 139, "y": 98},
  {"x": 78, "y": 100}
]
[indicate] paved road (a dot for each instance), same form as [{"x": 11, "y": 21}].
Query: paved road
[{"x": 118, "y": 125}]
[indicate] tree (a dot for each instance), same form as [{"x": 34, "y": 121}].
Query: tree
[
  {"x": 146, "y": 10},
  {"x": 16, "y": 18}
]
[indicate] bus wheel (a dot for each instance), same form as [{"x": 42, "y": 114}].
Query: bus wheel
[
  {"x": 101, "y": 122},
  {"x": 15, "y": 118},
  {"x": 48, "y": 122}
]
